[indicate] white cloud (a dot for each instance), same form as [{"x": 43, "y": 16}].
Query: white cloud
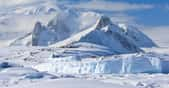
[
  {"x": 94, "y": 5},
  {"x": 111, "y": 6},
  {"x": 12, "y": 2},
  {"x": 8, "y": 3},
  {"x": 123, "y": 18}
]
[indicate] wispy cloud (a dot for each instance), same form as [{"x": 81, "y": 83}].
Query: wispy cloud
[
  {"x": 5, "y": 3},
  {"x": 111, "y": 6},
  {"x": 123, "y": 18},
  {"x": 9, "y": 3},
  {"x": 167, "y": 7},
  {"x": 93, "y": 4}
]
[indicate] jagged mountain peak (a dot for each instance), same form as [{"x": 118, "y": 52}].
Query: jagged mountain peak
[
  {"x": 38, "y": 26},
  {"x": 103, "y": 21}
]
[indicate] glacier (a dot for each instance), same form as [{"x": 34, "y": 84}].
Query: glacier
[{"x": 142, "y": 63}]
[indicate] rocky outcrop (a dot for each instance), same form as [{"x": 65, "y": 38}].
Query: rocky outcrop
[{"x": 36, "y": 33}]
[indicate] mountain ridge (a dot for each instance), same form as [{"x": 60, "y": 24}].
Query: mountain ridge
[{"x": 68, "y": 28}]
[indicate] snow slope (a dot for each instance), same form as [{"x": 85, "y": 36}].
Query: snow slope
[
  {"x": 137, "y": 36},
  {"x": 67, "y": 83}
]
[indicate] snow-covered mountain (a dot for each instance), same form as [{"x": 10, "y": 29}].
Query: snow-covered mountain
[
  {"x": 18, "y": 19},
  {"x": 70, "y": 27},
  {"x": 102, "y": 33}
]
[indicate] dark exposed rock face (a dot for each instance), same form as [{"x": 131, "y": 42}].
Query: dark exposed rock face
[
  {"x": 103, "y": 21},
  {"x": 36, "y": 33}
]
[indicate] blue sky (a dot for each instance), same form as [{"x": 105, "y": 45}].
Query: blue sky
[
  {"x": 144, "y": 12},
  {"x": 142, "y": 1},
  {"x": 156, "y": 16}
]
